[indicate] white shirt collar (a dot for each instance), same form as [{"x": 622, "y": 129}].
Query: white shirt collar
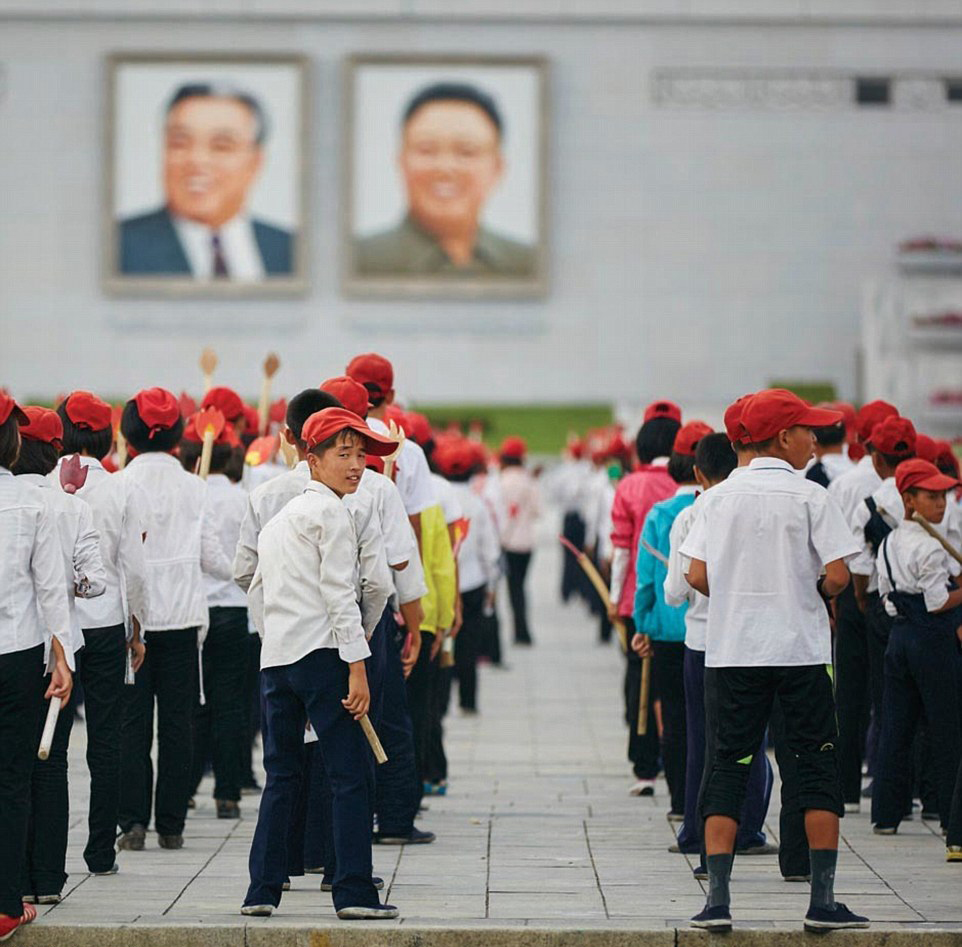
[
  {"x": 38, "y": 480},
  {"x": 770, "y": 463},
  {"x": 660, "y": 462},
  {"x": 317, "y": 487},
  {"x": 238, "y": 247},
  {"x": 4, "y": 472},
  {"x": 687, "y": 489},
  {"x": 155, "y": 457}
]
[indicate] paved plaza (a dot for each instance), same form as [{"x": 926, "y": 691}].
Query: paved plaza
[{"x": 538, "y": 840}]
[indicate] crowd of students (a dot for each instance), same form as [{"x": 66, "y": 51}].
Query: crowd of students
[
  {"x": 793, "y": 579},
  {"x": 309, "y": 599}
]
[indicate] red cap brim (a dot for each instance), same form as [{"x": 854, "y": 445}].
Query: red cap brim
[
  {"x": 820, "y": 417},
  {"x": 937, "y": 482},
  {"x": 376, "y": 444}
]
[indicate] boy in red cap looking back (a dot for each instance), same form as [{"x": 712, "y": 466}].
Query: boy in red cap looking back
[
  {"x": 304, "y": 603},
  {"x": 768, "y": 547},
  {"x": 918, "y": 587}
]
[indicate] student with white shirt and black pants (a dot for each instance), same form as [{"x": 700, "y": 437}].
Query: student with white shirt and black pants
[
  {"x": 766, "y": 548},
  {"x": 35, "y": 640},
  {"x": 111, "y": 622},
  {"x": 218, "y": 725},
  {"x": 304, "y": 602},
  {"x": 182, "y": 540},
  {"x": 920, "y": 590}
]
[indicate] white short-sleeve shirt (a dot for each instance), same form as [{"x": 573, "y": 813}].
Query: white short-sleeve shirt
[
  {"x": 765, "y": 536},
  {"x": 919, "y": 564}
]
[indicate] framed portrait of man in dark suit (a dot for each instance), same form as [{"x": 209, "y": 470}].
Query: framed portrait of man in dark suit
[
  {"x": 206, "y": 184},
  {"x": 446, "y": 167}
]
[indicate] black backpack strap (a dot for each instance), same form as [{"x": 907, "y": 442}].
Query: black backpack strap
[{"x": 888, "y": 565}]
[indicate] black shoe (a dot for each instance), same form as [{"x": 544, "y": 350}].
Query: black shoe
[
  {"x": 170, "y": 841},
  {"x": 867, "y": 791},
  {"x": 133, "y": 839},
  {"x": 228, "y": 809},
  {"x": 327, "y": 883},
  {"x": 417, "y": 837},
  {"x": 717, "y": 919},
  {"x": 374, "y": 912},
  {"x": 250, "y": 787},
  {"x": 700, "y": 873},
  {"x": 822, "y": 919}
]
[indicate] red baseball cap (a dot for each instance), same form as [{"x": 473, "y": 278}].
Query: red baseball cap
[
  {"x": 227, "y": 401},
  {"x": 946, "y": 457},
  {"x": 330, "y": 421},
  {"x": 8, "y": 406},
  {"x": 418, "y": 428},
  {"x": 157, "y": 408},
  {"x": 373, "y": 371},
  {"x": 871, "y": 414},
  {"x": 227, "y": 437},
  {"x": 687, "y": 438},
  {"x": 42, "y": 425},
  {"x": 662, "y": 409},
  {"x": 352, "y": 394},
  {"x": 513, "y": 447},
  {"x": 251, "y": 416},
  {"x": 733, "y": 420},
  {"x": 848, "y": 413},
  {"x": 86, "y": 411},
  {"x": 894, "y": 436},
  {"x": 922, "y": 474},
  {"x": 775, "y": 409},
  {"x": 926, "y": 448}
]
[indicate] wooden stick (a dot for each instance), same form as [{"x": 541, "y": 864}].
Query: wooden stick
[
  {"x": 206, "y": 453},
  {"x": 208, "y": 423},
  {"x": 372, "y": 739},
  {"x": 46, "y": 740},
  {"x": 208, "y": 363},
  {"x": 271, "y": 364},
  {"x": 594, "y": 577},
  {"x": 121, "y": 450},
  {"x": 935, "y": 534},
  {"x": 645, "y": 691},
  {"x": 397, "y": 434}
]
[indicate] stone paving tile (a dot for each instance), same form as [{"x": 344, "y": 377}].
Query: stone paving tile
[{"x": 537, "y": 830}]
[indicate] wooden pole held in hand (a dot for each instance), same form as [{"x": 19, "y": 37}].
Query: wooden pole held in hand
[
  {"x": 46, "y": 739},
  {"x": 643, "y": 698},
  {"x": 271, "y": 364},
  {"x": 208, "y": 424},
  {"x": 208, "y": 362},
  {"x": 372, "y": 739},
  {"x": 594, "y": 577},
  {"x": 936, "y": 535}
]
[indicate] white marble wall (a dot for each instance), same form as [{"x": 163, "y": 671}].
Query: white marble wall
[{"x": 696, "y": 253}]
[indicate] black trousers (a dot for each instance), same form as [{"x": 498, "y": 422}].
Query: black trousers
[
  {"x": 878, "y": 626},
  {"x": 573, "y": 529},
  {"x": 745, "y": 699},
  {"x": 518, "y": 563},
  {"x": 421, "y": 685},
  {"x": 921, "y": 679},
  {"x": 793, "y": 858},
  {"x": 466, "y": 647},
  {"x": 219, "y": 722},
  {"x": 490, "y": 643},
  {"x": 852, "y": 692},
  {"x": 169, "y": 677},
  {"x": 252, "y": 708},
  {"x": 102, "y": 674},
  {"x": 642, "y": 750},
  {"x": 45, "y": 857},
  {"x": 668, "y": 678},
  {"x": 21, "y": 708}
]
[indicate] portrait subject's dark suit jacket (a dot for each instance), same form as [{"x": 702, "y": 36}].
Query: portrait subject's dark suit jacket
[{"x": 149, "y": 246}]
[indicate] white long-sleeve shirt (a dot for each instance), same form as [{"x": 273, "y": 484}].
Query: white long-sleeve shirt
[
  {"x": 479, "y": 561},
  {"x": 119, "y": 509},
  {"x": 181, "y": 542},
  {"x": 83, "y": 566},
  {"x": 303, "y": 596},
  {"x": 522, "y": 507},
  {"x": 228, "y": 504},
  {"x": 849, "y": 489},
  {"x": 33, "y": 586},
  {"x": 677, "y": 589}
]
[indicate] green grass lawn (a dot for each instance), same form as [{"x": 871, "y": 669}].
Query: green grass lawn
[{"x": 544, "y": 426}]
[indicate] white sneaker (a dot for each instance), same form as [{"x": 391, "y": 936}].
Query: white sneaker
[
  {"x": 852, "y": 807},
  {"x": 376, "y": 912},
  {"x": 257, "y": 910},
  {"x": 644, "y": 787}
]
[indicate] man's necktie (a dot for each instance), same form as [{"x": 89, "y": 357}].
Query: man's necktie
[{"x": 217, "y": 252}]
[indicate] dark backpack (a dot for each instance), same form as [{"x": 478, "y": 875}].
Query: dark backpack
[{"x": 876, "y": 529}]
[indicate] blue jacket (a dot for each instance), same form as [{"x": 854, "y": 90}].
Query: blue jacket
[{"x": 651, "y": 614}]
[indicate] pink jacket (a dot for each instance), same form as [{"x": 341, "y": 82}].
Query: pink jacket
[{"x": 634, "y": 497}]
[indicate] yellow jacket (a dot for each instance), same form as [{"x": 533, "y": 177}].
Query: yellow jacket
[{"x": 439, "y": 572}]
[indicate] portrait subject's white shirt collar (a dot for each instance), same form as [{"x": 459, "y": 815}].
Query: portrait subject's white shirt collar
[{"x": 238, "y": 246}]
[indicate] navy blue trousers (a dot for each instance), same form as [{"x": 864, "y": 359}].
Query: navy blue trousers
[
  {"x": 315, "y": 684},
  {"x": 760, "y": 777}
]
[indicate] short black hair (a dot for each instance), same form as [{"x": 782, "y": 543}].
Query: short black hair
[
  {"x": 375, "y": 395},
  {"x": 234, "y": 468},
  {"x": 715, "y": 457},
  {"x": 830, "y": 436},
  {"x": 656, "y": 439},
  {"x": 306, "y": 403},
  {"x": 138, "y": 436},
  {"x": 9, "y": 442},
  {"x": 219, "y": 90},
  {"x": 511, "y": 461},
  {"x": 36, "y": 457},
  {"x": 456, "y": 92},
  {"x": 681, "y": 467},
  {"x": 189, "y": 454},
  {"x": 82, "y": 440},
  {"x": 893, "y": 460}
]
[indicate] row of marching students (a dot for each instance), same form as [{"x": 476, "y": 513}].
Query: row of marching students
[
  {"x": 132, "y": 577},
  {"x": 731, "y": 568}
]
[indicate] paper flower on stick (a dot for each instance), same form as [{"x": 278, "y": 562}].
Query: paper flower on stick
[
  {"x": 261, "y": 451},
  {"x": 73, "y": 474},
  {"x": 209, "y": 421}
]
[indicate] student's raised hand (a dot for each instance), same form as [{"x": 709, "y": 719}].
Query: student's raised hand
[
  {"x": 358, "y": 700},
  {"x": 641, "y": 645}
]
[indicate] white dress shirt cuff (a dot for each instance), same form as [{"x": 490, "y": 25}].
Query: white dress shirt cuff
[{"x": 354, "y": 651}]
